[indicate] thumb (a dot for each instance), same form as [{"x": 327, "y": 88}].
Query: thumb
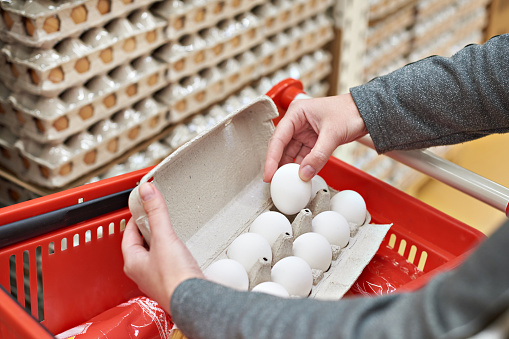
[
  {"x": 157, "y": 212},
  {"x": 317, "y": 157}
]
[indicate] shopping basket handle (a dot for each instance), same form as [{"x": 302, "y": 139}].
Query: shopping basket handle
[
  {"x": 423, "y": 161},
  {"x": 44, "y": 223}
]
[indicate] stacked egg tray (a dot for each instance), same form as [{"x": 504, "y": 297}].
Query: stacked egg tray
[
  {"x": 68, "y": 102},
  {"x": 379, "y": 9}
]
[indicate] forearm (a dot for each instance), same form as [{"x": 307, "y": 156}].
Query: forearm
[
  {"x": 439, "y": 100},
  {"x": 455, "y": 305}
]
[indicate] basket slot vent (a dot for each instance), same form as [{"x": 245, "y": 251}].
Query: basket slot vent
[
  {"x": 112, "y": 228},
  {"x": 392, "y": 240},
  {"x": 26, "y": 280},
  {"x": 51, "y": 248},
  {"x": 88, "y": 236},
  {"x": 13, "y": 278},
  {"x": 99, "y": 232},
  {"x": 422, "y": 260},
  {"x": 63, "y": 244},
  {"x": 40, "y": 296},
  {"x": 412, "y": 253},
  {"x": 402, "y": 247},
  {"x": 76, "y": 240},
  {"x": 122, "y": 225}
]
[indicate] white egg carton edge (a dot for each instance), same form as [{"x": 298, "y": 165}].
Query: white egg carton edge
[
  {"x": 44, "y": 119},
  {"x": 39, "y": 11},
  {"x": 20, "y": 66},
  {"x": 214, "y": 192}
]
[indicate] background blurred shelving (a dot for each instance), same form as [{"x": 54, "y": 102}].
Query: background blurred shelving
[{"x": 97, "y": 88}]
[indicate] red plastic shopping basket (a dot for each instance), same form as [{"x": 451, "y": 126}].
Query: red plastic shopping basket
[{"x": 71, "y": 272}]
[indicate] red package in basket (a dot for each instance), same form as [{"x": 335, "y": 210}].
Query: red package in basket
[{"x": 139, "y": 317}]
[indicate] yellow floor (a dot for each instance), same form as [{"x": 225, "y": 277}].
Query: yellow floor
[{"x": 488, "y": 157}]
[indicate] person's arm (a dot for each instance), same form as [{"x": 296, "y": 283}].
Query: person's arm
[
  {"x": 456, "y": 304},
  {"x": 437, "y": 100}
]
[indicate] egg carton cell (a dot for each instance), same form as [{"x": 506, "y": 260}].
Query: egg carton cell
[
  {"x": 279, "y": 15},
  {"x": 51, "y": 120},
  {"x": 210, "y": 46},
  {"x": 190, "y": 16},
  {"x": 75, "y": 60},
  {"x": 44, "y": 23},
  {"x": 54, "y": 166},
  {"x": 426, "y": 9}
]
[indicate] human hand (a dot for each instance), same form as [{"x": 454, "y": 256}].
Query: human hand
[
  {"x": 310, "y": 131},
  {"x": 159, "y": 270}
]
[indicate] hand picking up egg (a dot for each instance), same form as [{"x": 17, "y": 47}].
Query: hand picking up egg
[
  {"x": 248, "y": 248},
  {"x": 350, "y": 205},
  {"x": 270, "y": 225},
  {"x": 228, "y": 272},
  {"x": 289, "y": 193},
  {"x": 333, "y": 226}
]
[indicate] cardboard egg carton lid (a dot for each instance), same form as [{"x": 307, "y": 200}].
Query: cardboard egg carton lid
[
  {"x": 213, "y": 189},
  {"x": 43, "y": 23},
  {"x": 54, "y": 166},
  {"x": 73, "y": 61},
  {"x": 51, "y": 120}
]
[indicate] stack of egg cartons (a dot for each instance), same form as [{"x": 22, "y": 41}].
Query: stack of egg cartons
[
  {"x": 388, "y": 40},
  {"x": 89, "y": 81},
  {"x": 444, "y": 27},
  {"x": 78, "y": 85}
]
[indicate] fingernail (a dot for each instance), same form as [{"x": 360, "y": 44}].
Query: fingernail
[
  {"x": 307, "y": 173},
  {"x": 146, "y": 191}
]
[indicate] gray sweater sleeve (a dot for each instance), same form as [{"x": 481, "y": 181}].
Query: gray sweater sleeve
[
  {"x": 439, "y": 100},
  {"x": 456, "y": 304}
]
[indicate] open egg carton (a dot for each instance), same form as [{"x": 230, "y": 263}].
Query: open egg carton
[
  {"x": 56, "y": 165},
  {"x": 223, "y": 203},
  {"x": 52, "y": 120},
  {"x": 278, "y": 15},
  {"x": 190, "y": 16},
  {"x": 75, "y": 60},
  {"x": 44, "y": 23},
  {"x": 210, "y": 46}
]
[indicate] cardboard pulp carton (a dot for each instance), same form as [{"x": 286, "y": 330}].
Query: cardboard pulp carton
[{"x": 213, "y": 189}]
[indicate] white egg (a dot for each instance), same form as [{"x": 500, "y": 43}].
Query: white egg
[
  {"x": 270, "y": 287},
  {"x": 333, "y": 226},
  {"x": 317, "y": 183},
  {"x": 288, "y": 192},
  {"x": 247, "y": 248},
  {"x": 351, "y": 205},
  {"x": 270, "y": 225},
  {"x": 294, "y": 274},
  {"x": 228, "y": 272},
  {"x": 315, "y": 249}
]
